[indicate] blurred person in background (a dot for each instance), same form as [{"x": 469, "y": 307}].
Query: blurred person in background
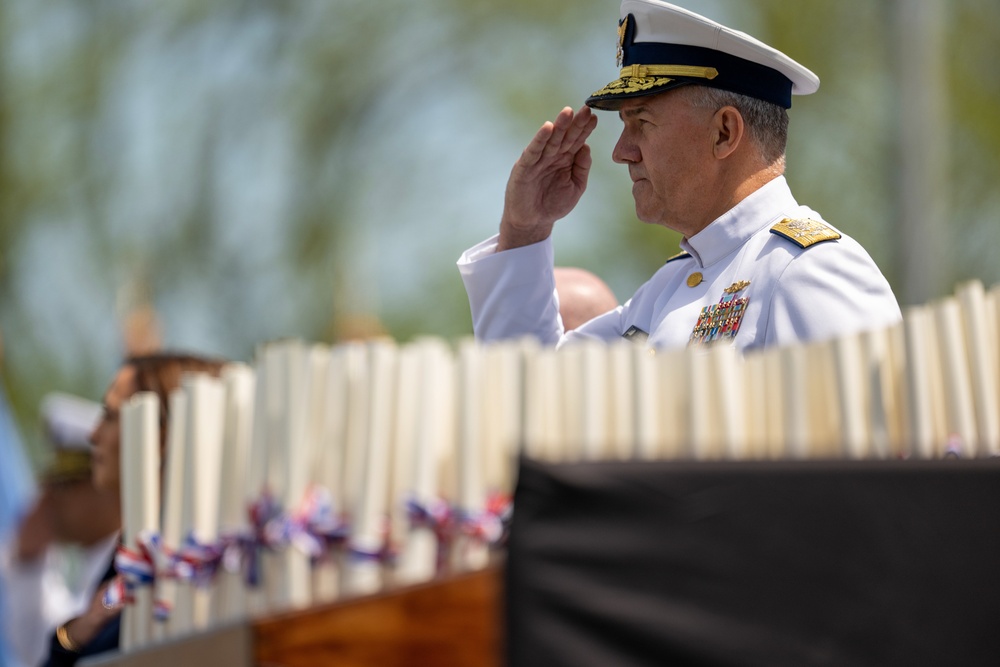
[
  {"x": 65, "y": 542},
  {"x": 582, "y": 296},
  {"x": 96, "y": 628},
  {"x": 16, "y": 494}
]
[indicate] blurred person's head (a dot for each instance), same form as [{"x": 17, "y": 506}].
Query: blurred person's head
[
  {"x": 158, "y": 373},
  {"x": 582, "y": 296},
  {"x": 77, "y": 511}
]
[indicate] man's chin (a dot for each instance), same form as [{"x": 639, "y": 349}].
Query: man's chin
[
  {"x": 641, "y": 211},
  {"x": 645, "y": 216},
  {"x": 653, "y": 220}
]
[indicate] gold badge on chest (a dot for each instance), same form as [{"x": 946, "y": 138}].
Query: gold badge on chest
[{"x": 721, "y": 321}]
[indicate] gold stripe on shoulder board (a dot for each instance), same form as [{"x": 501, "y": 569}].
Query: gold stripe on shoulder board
[
  {"x": 805, "y": 232},
  {"x": 681, "y": 255}
]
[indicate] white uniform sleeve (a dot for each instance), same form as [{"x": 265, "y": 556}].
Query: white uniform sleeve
[
  {"x": 826, "y": 292},
  {"x": 512, "y": 293},
  {"x": 603, "y": 327}
]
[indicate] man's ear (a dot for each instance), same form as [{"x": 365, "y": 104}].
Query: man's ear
[{"x": 728, "y": 131}]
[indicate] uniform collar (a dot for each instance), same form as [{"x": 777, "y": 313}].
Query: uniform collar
[{"x": 734, "y": 227}]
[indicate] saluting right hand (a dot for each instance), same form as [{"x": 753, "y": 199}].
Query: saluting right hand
[{"x": 548, "y": 179}]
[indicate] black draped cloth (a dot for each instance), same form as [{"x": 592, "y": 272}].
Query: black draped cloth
[{"x": 786, "y": 563}]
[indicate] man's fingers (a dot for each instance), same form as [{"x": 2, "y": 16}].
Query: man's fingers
[
  {"x": 566, "y": 134},
  {"x": 583, "y": 125},
  {"x": 581, "y": 166},
  {"x": 562, "y": 123},
  {"x": 533, "y": 152}
]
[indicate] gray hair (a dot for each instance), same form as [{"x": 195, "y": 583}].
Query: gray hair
[{"x": 767, "y": 123}]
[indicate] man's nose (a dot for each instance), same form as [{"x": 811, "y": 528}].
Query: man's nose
[{"x": 625, "y": 151}]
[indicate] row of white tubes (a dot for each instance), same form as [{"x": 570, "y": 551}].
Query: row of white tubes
[{"x": 377, "y": 422}]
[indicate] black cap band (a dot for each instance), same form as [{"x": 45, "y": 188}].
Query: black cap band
[{"x": 734, "y": 74}]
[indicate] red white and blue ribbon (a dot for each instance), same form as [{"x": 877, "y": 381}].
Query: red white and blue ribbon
[
  {"x": 489, "y": 526},
  {"x": 135, "y": 567},
  {"x": 436, "y": 514},
  {"x": 196, "y": 562},
  {"x": 115, "y": 594},
  {"x": 316, "y": 527}
]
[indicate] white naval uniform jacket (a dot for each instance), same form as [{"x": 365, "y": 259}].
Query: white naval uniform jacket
[{"x": 795, "y": 293}]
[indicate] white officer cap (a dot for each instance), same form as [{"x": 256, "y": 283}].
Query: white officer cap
[{"x": 662, "y": 46}]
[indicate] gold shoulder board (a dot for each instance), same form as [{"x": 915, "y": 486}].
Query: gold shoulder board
[
  {"x": 681, "y": 255},
  {"x": 805, "y": 232}
]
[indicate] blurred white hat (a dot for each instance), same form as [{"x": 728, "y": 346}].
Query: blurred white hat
[{"x": 68, "y": 422}]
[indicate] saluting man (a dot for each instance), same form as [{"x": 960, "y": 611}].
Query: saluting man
[{"x": 704, "y": 115}]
